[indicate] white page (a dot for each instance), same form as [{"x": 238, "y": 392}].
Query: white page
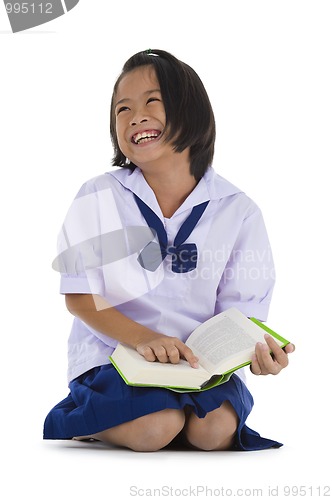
[
  {"x": 223, "y": 336},
  {"x": 222, "y": 340}
]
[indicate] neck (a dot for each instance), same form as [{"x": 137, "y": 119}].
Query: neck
[{"x": 171, "y": 185}]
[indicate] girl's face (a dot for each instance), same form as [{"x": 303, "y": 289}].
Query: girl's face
[{"x": 140, "y": 118}]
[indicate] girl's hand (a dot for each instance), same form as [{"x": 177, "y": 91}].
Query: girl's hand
[
  {"x": 166, "y": 350},
  {"x": 265, "y": 362}
]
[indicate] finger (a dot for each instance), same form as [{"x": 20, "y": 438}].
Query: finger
[
  {"x": 254, "y": 367},
  {"x": 265, "y": 360},
  {"x": 161, "y": 354},
  {"x": 289, "y": 348},
  {"x": 146, "y": 352},
  {"x": 173, "y": 354},
  {"x": 187, "y": 354},
  {"x": 278, "y": 354}
]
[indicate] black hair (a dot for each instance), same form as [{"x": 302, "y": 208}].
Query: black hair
[{"x": 189, "y": 115}]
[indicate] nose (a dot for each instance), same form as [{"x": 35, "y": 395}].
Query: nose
[
  {"x": 136, "y": 121},
  {"x": 139, "y": 115}
]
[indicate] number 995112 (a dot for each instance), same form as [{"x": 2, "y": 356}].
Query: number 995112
[
  {"x": 29, "y": 8},
  {"x": 307, "y": 491}
]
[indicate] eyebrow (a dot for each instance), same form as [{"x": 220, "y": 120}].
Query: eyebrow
[{"x": 147, "y": 92}]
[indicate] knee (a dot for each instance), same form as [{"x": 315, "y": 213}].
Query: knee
[
  {"x": 148, "y": 433},
  {"x": 214, "y": 432},
  {"x": 157, "y": 430},
  {"x": 213, "y": 439}
]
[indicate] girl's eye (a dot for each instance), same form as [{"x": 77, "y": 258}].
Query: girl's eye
[
  {"x": 152, "y": 99},
  {"x": 123, "y": 108}
]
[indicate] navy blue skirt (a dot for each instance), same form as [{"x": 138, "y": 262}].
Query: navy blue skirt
[{"x": 100, "y": 399}]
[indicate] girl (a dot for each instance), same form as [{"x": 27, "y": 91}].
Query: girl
[{"x": 147, "y": 253}]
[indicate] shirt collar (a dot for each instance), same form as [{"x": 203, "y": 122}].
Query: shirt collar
[{"x": 211, "y": 187}]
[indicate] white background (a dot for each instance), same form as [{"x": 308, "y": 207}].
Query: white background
[{"x": 267, "y": 68}]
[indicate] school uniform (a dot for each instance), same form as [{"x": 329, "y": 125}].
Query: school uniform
[{"x": 168, "y": 274}]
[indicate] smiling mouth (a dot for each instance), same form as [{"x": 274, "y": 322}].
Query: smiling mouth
[{"x": 146, "y": 136}]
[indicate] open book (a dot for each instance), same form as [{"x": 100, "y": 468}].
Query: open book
[{"x": 223, "y": 344}]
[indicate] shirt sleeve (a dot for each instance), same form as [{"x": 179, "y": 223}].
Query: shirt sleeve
[
  {"x": 79, "y": 249},
  {"x": 249, "y": 276}
]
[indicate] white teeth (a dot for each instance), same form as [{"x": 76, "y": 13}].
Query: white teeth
[{"x": 144, "y": 137}]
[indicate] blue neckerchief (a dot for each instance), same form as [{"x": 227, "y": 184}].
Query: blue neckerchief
[{"x": 184, "y": 255}]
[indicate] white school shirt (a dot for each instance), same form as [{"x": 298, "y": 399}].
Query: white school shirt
[{"x": 234, "y": 268}]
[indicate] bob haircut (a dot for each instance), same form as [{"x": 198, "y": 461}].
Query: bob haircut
[{"x": 189, "y": 115}]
